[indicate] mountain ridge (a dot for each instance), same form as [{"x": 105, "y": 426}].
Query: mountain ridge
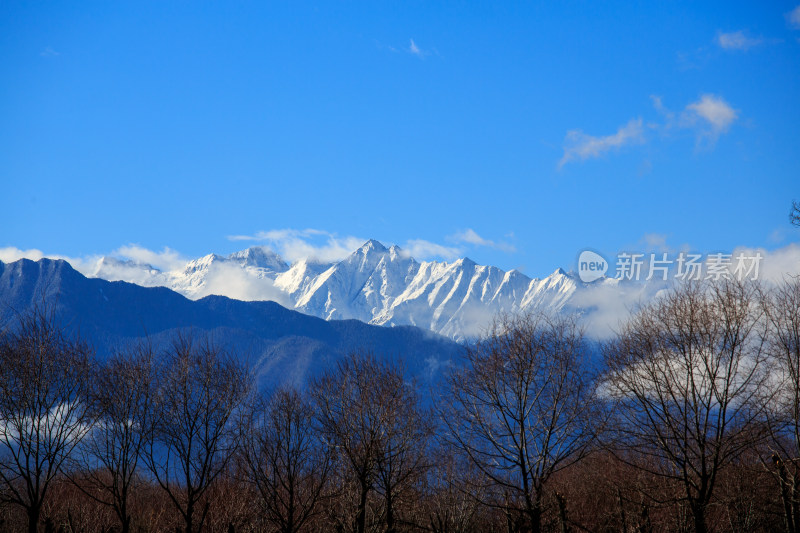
[
  {"x": 282, "y": 344},
  {"x": 374, "y": 284}
]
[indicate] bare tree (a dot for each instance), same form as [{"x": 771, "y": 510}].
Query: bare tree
[
  {"x": 686, "y": 375},
  {"x": 200, "y": 394},
  {"x": 522, "y": 409},
  {"x": 782, "y": 306},
  {"x": 350, "y": 419},
  {"x": 450, "y": 505},
  {"x": 403, "y": 457},
  {"x": 112, "y": 452},
  {"x": 794, "y": 214},
  {"x": 44, "y": 386},
  {"x": 371, "y": 414},
  {"x": 285, "y": 459}
]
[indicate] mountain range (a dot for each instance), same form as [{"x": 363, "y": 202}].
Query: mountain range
[
  {"x": 385, "y": 286},
  {"x": 280, "y": 344}
]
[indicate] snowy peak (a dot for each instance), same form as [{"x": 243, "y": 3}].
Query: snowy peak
[
  {"x": 110, "y": 264},
  {"x": 367, "y": 256},
  {"x": 260, "y": 257},
  {"x": 202, "y": 263},
  {"x": 372, "y": 246},
  {"x": 466, "y": 262},
  {"x": 374, "y": 284},
  {"x": 113, "y": 269}
]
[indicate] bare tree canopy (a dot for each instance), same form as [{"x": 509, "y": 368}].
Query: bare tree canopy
[
  {"x": 782, "y": 306},
  {"x": 286, "y": 460},
  {"x": 686, "y": 375},
  {"x": 44, "y": 388},
  {"x": 201, "y": 391},
  {"x": 689, "y": 422},
  {"x": 123, "y": 392},
  {"x": 794, "y": 214},
  {"x": 371, "y": 414},
  {"x": 523, "y": 408}
]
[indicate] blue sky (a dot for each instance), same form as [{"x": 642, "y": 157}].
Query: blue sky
[{"x": 516, "y": 134}]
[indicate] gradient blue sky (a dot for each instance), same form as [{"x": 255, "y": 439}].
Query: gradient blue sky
[{"x": 516, "y": 134}]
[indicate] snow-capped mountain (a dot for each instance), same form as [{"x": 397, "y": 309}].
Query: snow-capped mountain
[
  {"x": 385, "y": 286},
  {"x": 280, "y": 346}
]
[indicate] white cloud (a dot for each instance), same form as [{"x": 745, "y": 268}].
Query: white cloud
[
  {"x": 736, "y": 40},
  {"x": 295, "y": 244},
  {"x": 777, "y": 236},
  {"x": 416, "y": 50},
  {"x": 610, "y": 305},
  {"x": 578, "y": 145},
  {"x": 656, "y": 242},
  {"x": 166, "y": 259},
  {"x": 335, "y": 249},
  {"x": 280, "y": 235},
  {"x": 470, "y": 236},
  {"x": 775, "y": 265},
  {"x": 233, "y": 281},
  {"x": 714, "y": 113},
  {"x": 114, "y": 269},
  {"x": 11, "y": 254},
  {"x": 422, "y": 249},
  {"x": 49, "y": 52},
  {"x": 291, "y": 244},
  {"x": 794, "y": 18},
  {"x": 658, "y": 103},
  {"x": 709, "y": 117},
  {"x": 320, "y": 245},
  {"x": 84, "y": 265}
]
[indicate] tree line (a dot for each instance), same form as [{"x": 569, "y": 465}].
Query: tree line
[{"x": 688, "y": 419}]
